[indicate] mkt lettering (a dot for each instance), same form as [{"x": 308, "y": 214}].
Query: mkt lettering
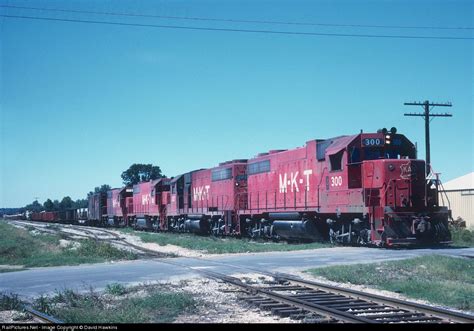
[
  {"x": 146, "y": 199},
  {"x": 201, "y": 193},
  {"x": 294, "y": 181}
]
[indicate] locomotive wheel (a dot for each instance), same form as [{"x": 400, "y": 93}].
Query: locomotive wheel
[{"x": 333, "y": 237}]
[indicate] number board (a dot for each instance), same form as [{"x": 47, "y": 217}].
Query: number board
[
  {"x": 397, "y": 142},
  {"x": 372, "y": 142}
]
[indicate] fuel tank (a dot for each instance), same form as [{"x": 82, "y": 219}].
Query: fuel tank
[
  {"x": 142, "y": 224},
  {"x": 296, "y": 229},
  {"x": 196, "y": 224}
]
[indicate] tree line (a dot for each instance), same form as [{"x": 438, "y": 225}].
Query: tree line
[
  {"x": 135, "y": 174},
  {"x": 56, "y": 205}
]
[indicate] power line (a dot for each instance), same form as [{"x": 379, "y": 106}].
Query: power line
[
  {"x": 427, "y": 115},
  {"x": 236, "y": 30},
  {"x": 237, "y": 20}
]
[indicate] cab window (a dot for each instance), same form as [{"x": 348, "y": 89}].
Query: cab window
[
  {"x": 336, "y": 161},
  {"x": 354, "y": 155}
]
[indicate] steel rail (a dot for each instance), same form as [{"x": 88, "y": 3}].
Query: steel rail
[
  {"x": 451, "y": 316},
  {"x": 435, "y": 312},
  {"x": 446, "y": 314},
  {"x": 312, "y": 307},
  {"x": 42, "y": 316}
]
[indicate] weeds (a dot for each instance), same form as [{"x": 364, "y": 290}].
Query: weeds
[
  {"x": 92, "y": 248},
  {"x": 156, "y": 306},
  {"x": 439, "y": 279},
  {"x": 10, "y": 302},
  {"x": 215, "y": 245},
  {"x": 66, "y": 296},
  {"x": 30, "y": 228},
  {"x": 167, "y": 304},
  {"x": 115, "y": 289},
  {"x": 19, "y": 247},
  {"x": 462, "y": 236},
  {"x": 44, "y": 304}
]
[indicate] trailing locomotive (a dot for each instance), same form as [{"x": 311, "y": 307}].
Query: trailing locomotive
[{"x": 367, "y": 188}]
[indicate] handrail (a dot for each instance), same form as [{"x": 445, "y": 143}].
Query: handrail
[{"x": 319, "y": 184}]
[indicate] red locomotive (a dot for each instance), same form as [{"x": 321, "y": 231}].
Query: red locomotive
[
  {"x": 149, "y": 207},
  {"x": 117, "y": 201},
  {"x": 209, "y": 200},
  {"x": 364, "y": 188},
  {"x": 367, "y": 188}
]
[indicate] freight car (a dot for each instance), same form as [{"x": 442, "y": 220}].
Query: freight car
[
  {"x": 15, "y": 217},
  {"x": 367, "y": 188},
  {"x": 97, "y": 209},
  {"x": 71, "y": 215},
  {"x": 45, "y": 216}
]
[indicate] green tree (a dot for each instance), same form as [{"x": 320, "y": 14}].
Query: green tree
[
  {"x": 48, "y": 205},
  {"x": 102, "y": 189},
  {"x": 139, "y": 172},
  {"x": 35, "y": 206},
  {"x": 66, "y": 203},
  {"x": 56, "y": 205},
  {"x": 98, "y": 189},
  {"x": 80, "y": 203}
]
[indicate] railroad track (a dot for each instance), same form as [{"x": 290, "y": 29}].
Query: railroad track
[
  {"x": 93, "y": 233},
  {"x": 290, "y": 296},
  {"x": 431, "y": 313},
  {"x": 42, "y": 316}
]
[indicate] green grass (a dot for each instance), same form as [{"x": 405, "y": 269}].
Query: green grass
[
  {"x": 10, "y": 302},
  {"x": 438, "y": 279},
  {"x": 157, "y": 306},
  {"x": 115, "y": 289},
  {"x": 214, "y": 245},
  {"x": 462, "y": 237},
  {"x": 20, "y": 247}
]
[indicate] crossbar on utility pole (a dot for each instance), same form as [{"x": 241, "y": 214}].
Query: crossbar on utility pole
[{"x": 427, "y": 115}]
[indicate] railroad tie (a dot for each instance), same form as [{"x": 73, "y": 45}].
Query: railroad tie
[
  {"x": 269, "y": 306},
  {"x": 285, "y": 312}
]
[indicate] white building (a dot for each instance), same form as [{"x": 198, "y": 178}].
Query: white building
[{"x": 460, "y": 194}]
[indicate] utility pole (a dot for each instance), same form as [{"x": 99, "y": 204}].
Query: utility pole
[{"x": 427, "y": 115}]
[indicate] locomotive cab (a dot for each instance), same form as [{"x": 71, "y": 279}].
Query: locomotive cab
[{"x": 390, "y": 173}]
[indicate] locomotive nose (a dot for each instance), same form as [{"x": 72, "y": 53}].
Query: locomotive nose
[{"x": 404, "y": 182}]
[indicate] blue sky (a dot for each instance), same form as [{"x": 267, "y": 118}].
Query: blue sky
[{"x": 81, "y": 102}]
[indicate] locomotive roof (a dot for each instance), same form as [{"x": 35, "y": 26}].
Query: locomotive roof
[
  {"x": 176, "y": 178},
  {"x": 153, "y": 182},
  {"x": 339, "y": 143},
  {"x": 125, "y": 188},
  {"x": 231, "y": 162},
  {"x": 156, "y": 181}
]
